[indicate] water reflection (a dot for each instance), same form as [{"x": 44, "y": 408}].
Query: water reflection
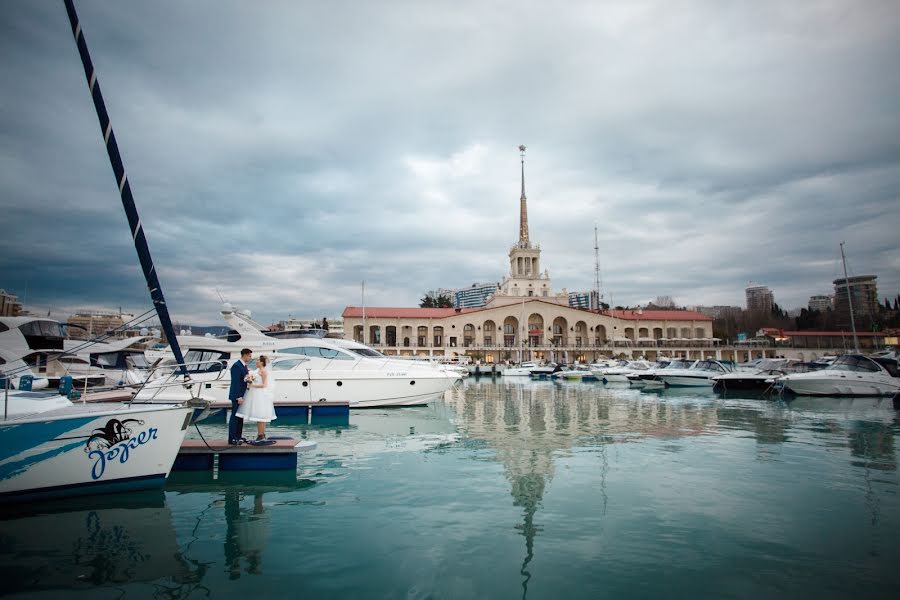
[
  {"x": 93, "y": 542},
  {"x": 246, "y": 535},
  {"x": 532, "y": 425}
]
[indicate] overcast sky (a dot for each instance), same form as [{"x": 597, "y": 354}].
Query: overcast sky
[{"x": 283, "y": 152}]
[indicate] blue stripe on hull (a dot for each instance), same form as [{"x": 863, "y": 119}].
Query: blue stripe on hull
[{"x": 127, "y": 484}]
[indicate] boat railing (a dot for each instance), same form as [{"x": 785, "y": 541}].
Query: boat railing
[{"x": 177, "y": 379}]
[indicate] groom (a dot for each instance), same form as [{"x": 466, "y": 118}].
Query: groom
[{"x": 236, "y": 393}]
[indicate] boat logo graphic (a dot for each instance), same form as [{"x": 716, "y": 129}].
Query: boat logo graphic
[{"x": 114, "y": 441}]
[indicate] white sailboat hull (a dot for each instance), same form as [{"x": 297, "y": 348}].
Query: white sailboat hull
[{"x": 89, "y": 449}]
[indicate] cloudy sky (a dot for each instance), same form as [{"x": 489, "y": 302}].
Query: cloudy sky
[{"x": 282, "y": 152}]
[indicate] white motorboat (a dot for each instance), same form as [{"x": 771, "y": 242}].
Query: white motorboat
[
  {"x": 848, "y": 375},
  {"x": 14, "y": 369},
  {"x": 331, "y": 369},
  {"x": 764, "y": 375},
  {"x": 52, "y": 447},
  {"x": 649, "y": 378},
  {"x": 318, "y": 372},
  {"x": 699, "y": 375},
  {"x": 544, "y": 371},
  {"x": 620, "y": 372},
  {"x": 43, "y": 345},
  {"x": 576, "y": 374},
  {"x": 520, "y": 370}
]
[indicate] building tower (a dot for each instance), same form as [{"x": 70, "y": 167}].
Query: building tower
[
  {"x": 861, "y": 293},
  {"x": 524, "y": 258},
  {"x": 759, "y": 298},
  {"x": 523, "y": 207},
  {"x": 525, "y": 277}
]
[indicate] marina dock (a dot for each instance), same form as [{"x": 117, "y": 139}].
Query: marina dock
[
  {"x": 298, "y": 412},
  {"x": 201, "y": 455}
]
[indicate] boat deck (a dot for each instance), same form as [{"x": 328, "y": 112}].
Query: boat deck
[
  {"x": 77, "y": 409},
  {"x": 201, "y": 454}
]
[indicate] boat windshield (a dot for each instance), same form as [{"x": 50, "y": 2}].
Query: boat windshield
[
  {"x": 318, "y": 352},
  {"x": 367, "y": 352},
  {"x": 854, "y": 363},
  {"x": 287, "y": 364},
  {"x": 679, "y": 364}
]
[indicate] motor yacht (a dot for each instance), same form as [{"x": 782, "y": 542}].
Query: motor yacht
[
  {"x": 699, "y": 375},
  {"x": 520, "y": 370},
  {"x": 323, "y": 369},
  {"x": 848, "y": 375},
  {"x": 578, "y": 373},
  {"x": 762, "y": 376},
  {"x": 545, "y": 371},
  {"x": 620, "y": 373},
  {"x": 650, "y": 377}
]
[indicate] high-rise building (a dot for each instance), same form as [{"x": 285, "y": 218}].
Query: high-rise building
[
  {"x": 584, "y": 300},
  {"x": 821, "y": 303},
  {"x": 863, "y": 293},
  {"x": 9, "y": 305},
  {"x": 719, "y": 311},
  {"x": 759, "y": 298},
  {"x": 474, "y": 296}
]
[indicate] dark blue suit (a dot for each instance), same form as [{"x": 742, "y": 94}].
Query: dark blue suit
[{"x": 237, "y": 390}]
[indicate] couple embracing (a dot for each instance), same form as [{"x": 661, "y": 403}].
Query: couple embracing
[{"x": 252, "y": 397}]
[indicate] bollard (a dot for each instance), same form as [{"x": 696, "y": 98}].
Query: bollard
[{"x": 65, "y": 385}]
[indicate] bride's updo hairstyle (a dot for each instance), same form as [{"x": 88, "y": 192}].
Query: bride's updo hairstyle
[{"x": 264, "y": 360}]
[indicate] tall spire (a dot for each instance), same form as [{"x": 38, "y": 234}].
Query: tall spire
[{"x": 523, "y": 207}]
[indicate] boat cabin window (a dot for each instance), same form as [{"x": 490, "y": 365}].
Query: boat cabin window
[
  {"x": 107, "y": 359},
  {"x": 71, "y": 360},
  {"x": 138, "y": 360},
  {"x": 318, "y": 352},
  {"x": 42, "y": 328},
  {"x": 855, "y": 363},
  {"x": 287, "y": 364},
  {"x": 3, "y": 328},
  {"x": 205, "y": 361}
]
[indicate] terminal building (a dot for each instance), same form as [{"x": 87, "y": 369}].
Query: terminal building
[{"x": 525, "y": 318}]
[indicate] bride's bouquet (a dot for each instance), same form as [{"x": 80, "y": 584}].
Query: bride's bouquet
[{"x": 250, "y": 378}]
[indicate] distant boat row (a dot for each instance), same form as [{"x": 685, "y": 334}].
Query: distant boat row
[{"x": 848, "y": 375}]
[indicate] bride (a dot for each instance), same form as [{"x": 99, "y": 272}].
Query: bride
[{"x": 258, "y": 405}]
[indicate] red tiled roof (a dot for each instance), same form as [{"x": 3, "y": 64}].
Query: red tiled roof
[
  {"x": 411, "y": 312},
  {"x": 657, "y": 315},
  {"x": 385, "y": 312},
  {"x": 848, "y": 334}
]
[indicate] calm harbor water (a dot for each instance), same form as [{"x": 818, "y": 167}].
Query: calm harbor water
[{"x": 507, "y": 490}]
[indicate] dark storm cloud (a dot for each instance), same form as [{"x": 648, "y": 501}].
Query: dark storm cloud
[{"x": 281, "y": 153}]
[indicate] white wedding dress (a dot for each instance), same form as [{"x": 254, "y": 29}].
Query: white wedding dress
[{"x": 259, "y": 403}]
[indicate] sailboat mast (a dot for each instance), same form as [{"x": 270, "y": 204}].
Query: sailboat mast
[
  {"x": 115, "y": 159},
  {"x": 849, "y": 300},
  {"x": 596, "y": 269}
]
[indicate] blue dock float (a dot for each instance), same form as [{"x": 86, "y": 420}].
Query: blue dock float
[
  {"x": 300, "y": 412},
  {"x": 200, "y": 455}
]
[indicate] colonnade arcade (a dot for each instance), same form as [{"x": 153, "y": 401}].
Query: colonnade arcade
[{"x": 538, "y": 327}]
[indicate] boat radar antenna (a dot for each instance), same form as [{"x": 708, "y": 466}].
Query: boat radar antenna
[
  {"x": 597, "y": 282},
  {"x": 134, "y": 220}
]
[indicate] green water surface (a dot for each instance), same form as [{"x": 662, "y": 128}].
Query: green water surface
[{"x": 507, "y": 490}]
